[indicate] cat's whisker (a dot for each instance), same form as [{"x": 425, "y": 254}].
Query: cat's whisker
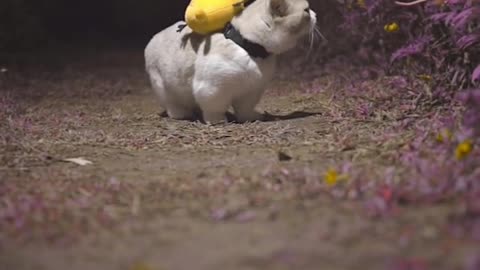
[
  {"x": 318, "y": 42},
  {"x": 311, "y": 38},
  {"x": 316, "y": 38},
  {"x": 319, "y": 33}
]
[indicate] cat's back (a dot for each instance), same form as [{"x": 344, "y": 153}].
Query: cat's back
[
  {"x": 167, "y": 44},
  {"x": 179, "y": 44}
]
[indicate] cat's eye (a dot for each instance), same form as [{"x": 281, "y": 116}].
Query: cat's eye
[{"x": 307, "y": 10}]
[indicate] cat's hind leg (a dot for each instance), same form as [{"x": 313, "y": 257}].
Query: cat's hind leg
[{"x": 174, "y": 108}]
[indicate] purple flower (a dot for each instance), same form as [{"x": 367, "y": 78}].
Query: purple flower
[
  {"x": 472, "y": 262},
  {"x": 219, "y": 214},
  {"x": 415, "y": 47},
  {"x": 377, "y": 206},
  {"x": 467, "y": 41},
  {"x": 114, "y": 184},
  {"x": 471, "y": 97},
  {"x": 442, "y": 17},
  {"x": 456, "y": 2},
  {"x": 245, "y": 216},
  {"x": 399, "y": 82},
  {"x": 461, "y": 20},
  {"x": 476, "y": 74}
]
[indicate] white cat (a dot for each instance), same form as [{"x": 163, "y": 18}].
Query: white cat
[{"x": 190, "y": 72}]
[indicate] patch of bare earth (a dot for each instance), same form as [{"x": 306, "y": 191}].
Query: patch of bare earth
[{"x": 167, "y": 194}]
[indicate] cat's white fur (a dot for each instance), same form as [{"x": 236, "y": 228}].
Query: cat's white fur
[{"x": 210, "y": 73}]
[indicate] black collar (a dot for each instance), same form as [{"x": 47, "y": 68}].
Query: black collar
[{"x": 253, "y": 49}]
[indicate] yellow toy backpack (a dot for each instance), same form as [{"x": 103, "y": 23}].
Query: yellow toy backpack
[{"x": 208, "y": 16}]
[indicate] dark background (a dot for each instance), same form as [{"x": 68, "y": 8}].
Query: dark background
[
  {"x": 37, "y": 24},
  {"x": 27, "y": 25}
]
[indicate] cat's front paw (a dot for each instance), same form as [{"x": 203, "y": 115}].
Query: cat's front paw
[{"x": 214, "y": 118}]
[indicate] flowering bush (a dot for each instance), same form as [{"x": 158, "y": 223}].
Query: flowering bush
[
  {"x": 438, "y": 42},
  {"x": 434, "y": 40},
  {"x": 438, "y": 37}
]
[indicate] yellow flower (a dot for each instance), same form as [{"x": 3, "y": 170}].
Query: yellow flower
[
  {"x": 392, "y": 27},
  {"x": 141, "y": 266},
  {"x": 361, "y": 3},
  {"x": 425, "y": 77},
  {"x": 463, "y": 149},
  {"x": 444, "y": 135},
  {"x": 332, "y": 177}
]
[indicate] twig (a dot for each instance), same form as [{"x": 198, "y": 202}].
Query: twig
[{"x": 405, "y": 4}]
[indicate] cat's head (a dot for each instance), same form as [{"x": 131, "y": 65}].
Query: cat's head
[{"x": 276, "y": 24}]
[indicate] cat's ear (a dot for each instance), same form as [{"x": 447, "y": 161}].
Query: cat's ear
[{"x": 279, "y": 7}]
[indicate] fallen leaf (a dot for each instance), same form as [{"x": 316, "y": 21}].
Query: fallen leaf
[
  {"x": 79, "y": 161},
  {"x": 219, "y": 214},
  {"x": 283, "y": 157}
]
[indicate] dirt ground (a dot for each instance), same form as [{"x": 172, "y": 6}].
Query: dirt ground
[{"x": 166, "y": 194}]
